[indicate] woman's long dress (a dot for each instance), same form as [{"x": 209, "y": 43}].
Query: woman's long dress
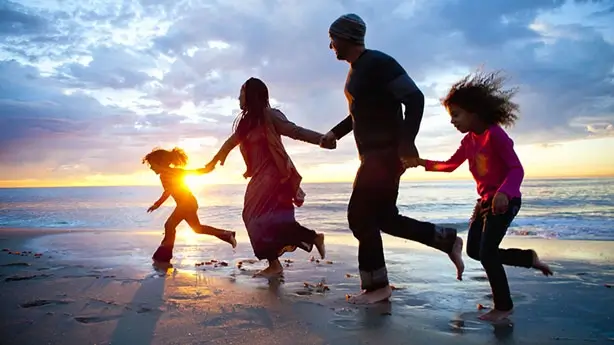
[{"x": 268, "y": 208}]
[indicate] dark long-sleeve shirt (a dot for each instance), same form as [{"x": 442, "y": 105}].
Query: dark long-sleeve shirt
[{"x": 375, "y": 88}]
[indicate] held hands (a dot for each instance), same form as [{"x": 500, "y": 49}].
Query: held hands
[
  {"x": 210, "y": 166},
  {"x": 500, "y": 203},
  {"x": 410, "y": 156},
  {"x": 207, "y": 169},
  {"x": 328, "y": 141}
]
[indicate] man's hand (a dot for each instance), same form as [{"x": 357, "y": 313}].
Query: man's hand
[
  {"x": 409, "y": 155},
  {"x": 328, "y": 141},
  {"x": 153, "y": 208},
  {"x": 500, "y": 203}
]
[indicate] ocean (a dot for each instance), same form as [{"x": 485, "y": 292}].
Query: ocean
[{"x": 553, "y": 208}]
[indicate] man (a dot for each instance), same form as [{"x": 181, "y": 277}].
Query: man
[{"x": 375, "y": 88}]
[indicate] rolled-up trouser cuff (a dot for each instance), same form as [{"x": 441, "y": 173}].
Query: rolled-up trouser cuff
[
  {"x": 374, "y": 280},
  {"x": 444, "y": 239}
]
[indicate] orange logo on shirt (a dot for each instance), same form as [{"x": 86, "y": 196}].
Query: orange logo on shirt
[{"x": 481, "y": 164}]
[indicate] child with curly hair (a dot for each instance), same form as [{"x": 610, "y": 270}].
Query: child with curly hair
[
  {"x": 168, "y": 165},
  {"x": 478, "y": 105}
]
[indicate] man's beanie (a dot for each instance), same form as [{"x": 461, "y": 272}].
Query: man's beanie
[{"x": 349, "y": 27}]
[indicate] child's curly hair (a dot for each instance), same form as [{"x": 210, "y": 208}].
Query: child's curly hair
[
  {"x": 483, "y": 94},
  {"x": 177, "y": 157}
]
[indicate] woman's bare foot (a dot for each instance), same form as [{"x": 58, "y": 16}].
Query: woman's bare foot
[
  {"x": 539, "y": 265},
  {"x": 319, "y": 243},
  {"x": 372, "y": 297},
  {"x": 457, "y": 258},
  {"x": 496, "y": 315},
  {"x": 273, "y": 271}
]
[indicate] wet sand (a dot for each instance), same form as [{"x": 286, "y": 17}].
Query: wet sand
[{"x": 100, "y": 288}]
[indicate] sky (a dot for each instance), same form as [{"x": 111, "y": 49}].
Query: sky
[{"x": 89, "y": 87}]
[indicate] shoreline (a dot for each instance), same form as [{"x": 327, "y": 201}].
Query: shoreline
[
  {"x": 112, "y": 295},
  {"x": 593, "y": 250}
]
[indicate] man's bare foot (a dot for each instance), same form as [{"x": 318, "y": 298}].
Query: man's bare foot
[
  {"x": 273, "y": 271},
  {"x": 539, "y": 265},
  {"x": 371, "y": 297},
  {"x": 319, "y": 243},
  {"x": 495, "y": 315},
  {"x": 457, "y": 258}
]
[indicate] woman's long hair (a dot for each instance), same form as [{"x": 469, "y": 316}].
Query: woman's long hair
[{"x": 255, "y": 105}]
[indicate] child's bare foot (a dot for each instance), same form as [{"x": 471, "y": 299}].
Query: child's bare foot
[
  {"x": 227, "y": 236},
  {"x": 372, "y": 297},
  {"x": 232, "y": 239},
  {"x": 496, "y": 315},
  {"x": 539, "y": 265},
  {"x": 273, "y": 271},
  {"x": 457, "y": 258},
  {"x": 319, "y": 243}
]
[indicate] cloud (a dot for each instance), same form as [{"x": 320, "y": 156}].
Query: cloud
[
  {"x": 15, "y": 22},
  {"x": 93, "y": 86}
]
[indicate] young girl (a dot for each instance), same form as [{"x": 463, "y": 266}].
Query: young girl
[
  {"x": 166, "y": 164},
  {"x": 479, "y": 107}
]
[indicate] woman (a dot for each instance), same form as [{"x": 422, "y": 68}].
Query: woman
[{"x": 274, "y": 188}]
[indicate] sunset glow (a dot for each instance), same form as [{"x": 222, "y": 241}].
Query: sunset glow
[
  {"x": 195, "y": 183},
  {"x": 84, "y": 113}
]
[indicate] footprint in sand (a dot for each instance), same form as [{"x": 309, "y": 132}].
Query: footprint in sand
[
  {"x": 26, "y": 277},
  {"x": 16, "y": 264},
  {"x": 142, "y": 310},
  {"x": 96, "y": 319},
  {"x": 102, "y": 302},
  {"x": 42, "y": 302}
]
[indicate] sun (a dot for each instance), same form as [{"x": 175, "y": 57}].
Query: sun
[{"x": 194, "y": 182}]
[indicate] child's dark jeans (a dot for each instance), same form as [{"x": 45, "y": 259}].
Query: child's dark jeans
[{"x": 486, "y": 230}]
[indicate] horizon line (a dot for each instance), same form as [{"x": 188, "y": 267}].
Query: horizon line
[{"x": 452, "y": 179}]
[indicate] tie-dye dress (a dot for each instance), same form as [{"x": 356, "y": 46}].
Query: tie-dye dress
[{"x": 274, "y": 187}]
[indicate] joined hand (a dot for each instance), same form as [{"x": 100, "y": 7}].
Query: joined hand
[
  {"x": 409, "y": 155},
  {"x": 328, "y": 141}
]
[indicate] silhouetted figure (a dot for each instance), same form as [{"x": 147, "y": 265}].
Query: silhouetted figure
[
  {"x": 376, "y": 87},
  {"x": 274, "y": 187},
  {"x": 167, "y": 164}
]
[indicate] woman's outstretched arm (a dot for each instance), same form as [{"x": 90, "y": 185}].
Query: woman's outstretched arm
[
  {"x": 289, "y": 129},
  {"x": 223, "y": 152}
]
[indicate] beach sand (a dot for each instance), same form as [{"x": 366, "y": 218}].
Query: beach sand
[{"x": 90, "y": 287}]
